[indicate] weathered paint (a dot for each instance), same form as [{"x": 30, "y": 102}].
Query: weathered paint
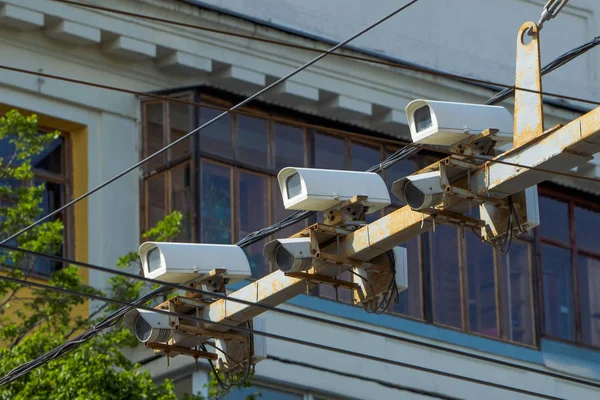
[
  {"x": 559, "y": 150},
  {"x": 529, "y": 116}
]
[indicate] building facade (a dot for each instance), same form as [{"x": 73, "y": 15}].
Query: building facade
[{"x": 537, "y": 306}]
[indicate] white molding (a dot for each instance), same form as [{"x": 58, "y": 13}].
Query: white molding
[
  {"x": 20, "y": 18},
  {"x": 129, "y": 48},
  {"x": 73, "y": 32}
]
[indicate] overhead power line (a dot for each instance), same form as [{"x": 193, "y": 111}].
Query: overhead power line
[
  {"x": 371, "y": 60},
  {"x": 500, "y": 96},
  {"x": 363, "y": 378},
  {"x": 215, "y": 119},
  {"x": 15, "y": 374},
  {"x": 114, "y": 317},
  {"x": 110, "y": 320},
  {"x": 311, "y": 318}
]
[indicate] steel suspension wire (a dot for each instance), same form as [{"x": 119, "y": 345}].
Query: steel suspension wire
[
  {"x": 553, "y": 65},
  {"x": 371, "y": 60},
  {"x": 24, "y": 369},
  {"x": 113, "y": 318},
  {"x": 389, "y": 385},
  {"x": 284, "y": 120},
  {"x": 311, "y": 318},
  {"x": 215, "y": 119}
]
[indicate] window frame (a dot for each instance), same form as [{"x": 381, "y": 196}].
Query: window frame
[
  {"x": 169, "y": 165},
  {"x": 572, "y": 201},
  {"x": 65, "y": 179},
  {"x": 207, "y": 99}
]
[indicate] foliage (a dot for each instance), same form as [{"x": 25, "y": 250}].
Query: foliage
[{"x": 34, "y": 321}]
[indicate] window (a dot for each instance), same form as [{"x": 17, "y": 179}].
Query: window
[
  {"x": 51, "y": 169},
  {"x": 225, "y": 182},
  {"x": 168, "y": 177},
  {"x": 570, "y": 268},
  {"x": 478, "y": 289}
]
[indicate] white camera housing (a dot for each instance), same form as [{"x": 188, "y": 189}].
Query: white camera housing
[
  {"x": 527, "y": 212},
  {"x": 289, "y": 255},
  {"x": 446, "y": 123},
  {"x": 185, "y": 262},
  {"x": 401, "y": 265},
  {"x": 322, "y": 189},
  {"x": 148, "y": 326},
  {"x": 237, "y": 353},
  {"x": 420, "y": 191}
]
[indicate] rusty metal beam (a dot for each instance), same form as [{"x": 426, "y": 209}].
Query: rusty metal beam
[
  {"x": 556, "y": 150},
  {"x": 529, "y": 114}
]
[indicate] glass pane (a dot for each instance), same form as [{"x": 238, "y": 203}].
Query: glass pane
[
  {"x": 558, "y": 292},
  {"x": 364, "y": 157},
  {"x": 252, "y": 141},
  {"x": 216, "y": 138},
  {"x": 181, "y": 200},
  {"x": 586, "y": 229},
  {"x": 51, "y": 158},
  {"x": 554, "y": 219},
  {"x": 262, "y": 393},
  {"x": 154, "y": 135},
  {"x": 329, "y": 152},
  {"x": 155, "y": 200},
  {"x": 254, "y": 215},
  {"x": 52, "y": 198},
  {"x": 445, "y": 276},
  {"x": 289, "y": 146},
  {"x": 589, "y": 282},
  {"x": 215, "y": 204},
  {"x": 481, "y": 286},
  {"x": 516, "y": 293},
  {"x": 410, "y": 299},
  {"x": 180, "y": 116}
]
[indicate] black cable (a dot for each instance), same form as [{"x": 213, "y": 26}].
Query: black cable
[
  {"x": 246, "y": 370},
  {"x": 215, "y": 119},
  {"x": 395, "y": 386},
  {"x": 316, "y": 319},
  {"x": 113, "y": 318},
  {"x": 371, "y": 60},
  {"x": 554, "y": 64},
  {"x": 407, "y": 144},
  {"x": 23, "y": 369}
]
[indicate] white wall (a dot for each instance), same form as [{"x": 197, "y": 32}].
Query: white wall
[
  {"x": 301, "y": 377},
  {"x": 472, "y": 37}
]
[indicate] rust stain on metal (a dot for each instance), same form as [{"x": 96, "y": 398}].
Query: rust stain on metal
[{"x": 529, "y": 120}]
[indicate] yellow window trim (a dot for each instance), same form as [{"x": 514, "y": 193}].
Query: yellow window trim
[{"x": 79, "y": 144}]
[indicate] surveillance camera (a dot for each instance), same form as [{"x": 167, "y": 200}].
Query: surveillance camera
[
  {"x": 420, "y": 191},
  {"x": 447, "y": 124},
  {"x": 322, "y": 189},
  {"x": 185, "y": 262},
  {"x": 148, "y": 326},
  {"x": 290, "y": 255}
]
